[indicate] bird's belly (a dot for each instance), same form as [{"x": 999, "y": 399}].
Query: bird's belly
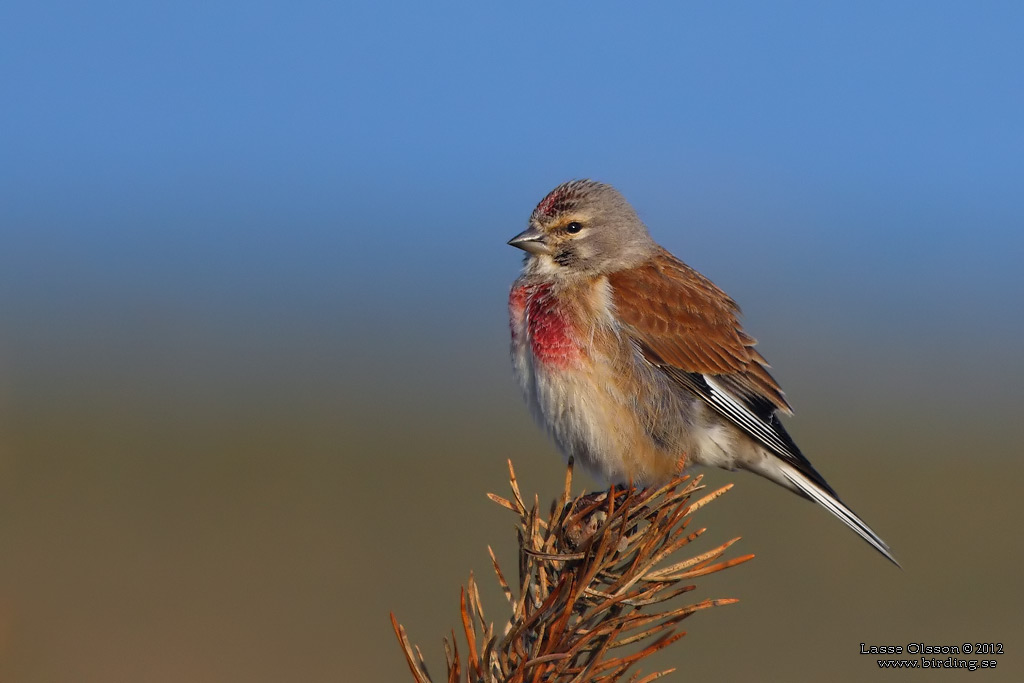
[{"x": 608, "y": 420}]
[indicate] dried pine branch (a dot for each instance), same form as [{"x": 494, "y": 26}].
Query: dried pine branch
[{"x": 593, "y": 593}]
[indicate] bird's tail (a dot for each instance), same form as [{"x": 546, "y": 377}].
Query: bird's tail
[{"x": 803, "y": 485}]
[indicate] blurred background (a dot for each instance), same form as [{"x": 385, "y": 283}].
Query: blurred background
[{"x": 253, "y": 343}]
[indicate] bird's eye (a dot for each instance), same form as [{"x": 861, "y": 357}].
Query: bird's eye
[{"x": 573, "y": 228}]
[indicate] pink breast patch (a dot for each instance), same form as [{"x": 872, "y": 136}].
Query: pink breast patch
[{"x": 550, "y": 330}]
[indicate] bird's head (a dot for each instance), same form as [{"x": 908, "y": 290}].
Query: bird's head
[{"x": 583, "y": 228}]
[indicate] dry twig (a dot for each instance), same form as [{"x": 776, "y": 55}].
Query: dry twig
[{"x": 593, "y": 595}]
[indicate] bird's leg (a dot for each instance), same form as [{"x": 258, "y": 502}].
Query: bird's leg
[{"x": 587, "y": 513}]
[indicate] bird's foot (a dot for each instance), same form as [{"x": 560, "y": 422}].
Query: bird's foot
[{"x": 587, "y": 513}]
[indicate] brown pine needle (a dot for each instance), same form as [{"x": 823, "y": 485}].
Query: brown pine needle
[
  {"x": 595, "y": 596},
  {"x": 503, "y": 502}
]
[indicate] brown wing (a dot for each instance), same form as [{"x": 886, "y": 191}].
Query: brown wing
[{"x": 682, "y": 320}]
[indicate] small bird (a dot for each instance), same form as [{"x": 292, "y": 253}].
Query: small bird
[{"x": 636, "y": 364}]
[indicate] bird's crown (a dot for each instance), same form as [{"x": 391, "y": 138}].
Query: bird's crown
[{"x": 569, "y": 197}]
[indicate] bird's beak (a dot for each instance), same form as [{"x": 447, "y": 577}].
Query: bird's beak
[{"x": 531, "y": 240}]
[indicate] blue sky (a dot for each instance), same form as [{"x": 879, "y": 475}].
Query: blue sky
[{"x": 251, "y": 153}]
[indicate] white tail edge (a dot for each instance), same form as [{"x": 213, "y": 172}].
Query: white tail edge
[{"x": 848, "y": 517}]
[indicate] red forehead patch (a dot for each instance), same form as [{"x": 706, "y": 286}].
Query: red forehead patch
[{"x": 557, "y": 201}]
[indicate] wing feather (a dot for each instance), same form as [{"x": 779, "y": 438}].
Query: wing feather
[
  {"x": 690, "y": 328},
  {"x": 683, "y": 320}
]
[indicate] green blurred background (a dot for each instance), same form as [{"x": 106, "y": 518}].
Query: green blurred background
[{"x": 254, "y": 382}]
